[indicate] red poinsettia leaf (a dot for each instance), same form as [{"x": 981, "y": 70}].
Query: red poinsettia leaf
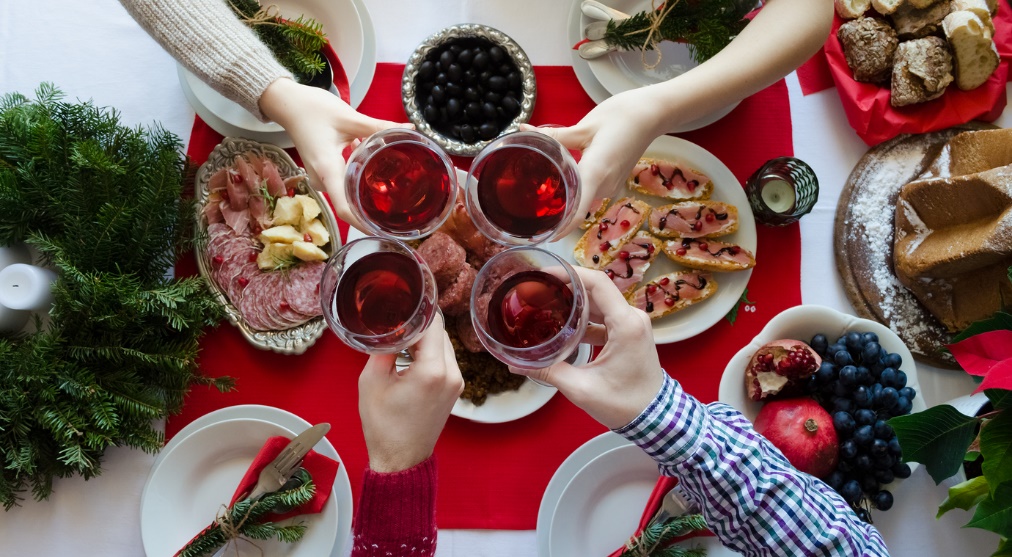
[
  {"x": 999, "y": 377},
  {"x": 980, "y": 353}
]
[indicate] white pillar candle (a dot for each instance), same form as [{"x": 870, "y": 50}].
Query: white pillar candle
[
  {"x": 14, "y": 254},
  {"x": 778, "y": 195},
  {"x": 26, "y": 287},
  {"x": 13, "y": 320}
]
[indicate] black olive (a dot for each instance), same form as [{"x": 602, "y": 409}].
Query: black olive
[
  {"x": 510, "y": 105},
  {"x": 514, "y": 80},
  {"x": 484, "y": 77},
  {"x": 453, "y": 90},
  {"x": 505, "y": 69},
  {"x": 471, "y": 94},
  {"x": 431, "y": 113},
  {"x": 456, "y": 131},
  {"x": 467, "y": 134},
  {"x": 480, "y": 60},
  {"x": 470, "y": 77},
  {"x": 493, "y": 97},
  {"x": 488, "y": 109},
  {"x": 424, "y": 88},
  {"x": 496, "y": 54},
  {"x": 443, "y": 115},
  {"x": 488, "y": 130},
  {"x": 454, "y": 72},
  {"x": 453, "y": 108},
  {"x": 438, "y": 94},
  {"x": 445, "y": 59},
  {"x": 473, "y": 110},
  {"x": 496, "y": 83},
  {"x": 426, "y": 71},
  {"x": 441, "y": 78},
  {"x": 465, "y": 58},
  {"x": 456, "y": 49}
]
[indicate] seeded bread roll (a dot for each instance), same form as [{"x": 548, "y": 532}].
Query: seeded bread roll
[
  {"x": 850, "y": 9},
  {"x": 868, "y": 44},
  {"x": 980, "y": 8},
  {"x": 886, "y": 7},
  {"x": 914, "y": 23},
  {"x": 922, "y": 69},
  {"x": 921, "y": 4},
  {"x": 975, "y": 55}
]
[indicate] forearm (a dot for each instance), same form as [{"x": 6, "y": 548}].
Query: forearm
[
  {"x": 207, "y": 38},
  {"x": 396, "y": 513},
  {"x": 782, "y": 36},
  {"x": 752, "y": 498}
]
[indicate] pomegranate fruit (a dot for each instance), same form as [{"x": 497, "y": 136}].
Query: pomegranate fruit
[
  {"x": 782, "y": 365},
  {"x": 803, "y": 431}
]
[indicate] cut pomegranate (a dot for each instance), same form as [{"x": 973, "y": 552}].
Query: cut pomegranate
[{"x": 778, "y": 366}]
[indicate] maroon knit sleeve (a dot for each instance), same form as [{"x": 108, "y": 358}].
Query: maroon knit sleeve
[{"x": 396, "y": 513}]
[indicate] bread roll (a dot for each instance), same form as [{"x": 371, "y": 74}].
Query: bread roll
[
  {"x": 868, "y": 44},
  {"x": 914, "y": 23},
  {"x": 850, "y": 9},
  {"x": 978, "y": 7},
  {"x": 975, "y": 54},
  {"x": 921, "y": 4},
  {"x": 886, "y": 7},
  {"x": 922, "y": 69}
]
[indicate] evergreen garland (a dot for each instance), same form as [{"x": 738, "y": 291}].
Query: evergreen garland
[
  {"x": 652, "y": 541},
  {"x": 295, "y": 43},
  {"x": 102, "y": 204},
  {"x": 706, "y": 26}
]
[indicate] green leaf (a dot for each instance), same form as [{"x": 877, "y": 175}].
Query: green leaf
[
  {"x": 996, "y": 448},
  {"x": 964, "y": 496},
  {"x": 1000, "y": 398},
  {"x": 1000, "y": 320},
  {"x": 995, "y": 513},
  {"x": 1004, "y": 549},
  {"x": 732, "y": 315},
  {"x": 937, "y": 437}
]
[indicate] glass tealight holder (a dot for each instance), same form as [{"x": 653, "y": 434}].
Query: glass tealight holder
[{"x": 782, "y": 191}]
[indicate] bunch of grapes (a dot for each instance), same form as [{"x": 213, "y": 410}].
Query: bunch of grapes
[{"x": 861, "y": 385}]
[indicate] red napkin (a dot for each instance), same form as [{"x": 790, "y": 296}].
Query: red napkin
[
  {"x": 340, "y": 77},
  {"x": 322, "y": 468},
  {"x": 875, "y": 120},
  {"x": 661, "y": 488}
]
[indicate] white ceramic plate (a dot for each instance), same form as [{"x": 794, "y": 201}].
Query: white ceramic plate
[
  {"x": 235, "y": 429},
  {"x": 621, "y": 71},
  {"x": 802, "y": 323},
  {"x": 347, "y": 25},
  {"x": 695, "y": 319},
  {"x": 600, "y": 505}
]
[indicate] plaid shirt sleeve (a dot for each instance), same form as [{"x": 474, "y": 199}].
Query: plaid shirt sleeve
[{"x": 752, "y": 498}]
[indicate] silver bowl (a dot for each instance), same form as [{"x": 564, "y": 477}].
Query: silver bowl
[
  {"x": 288, "y": 341},
  {"x": 467, "y": 31}
]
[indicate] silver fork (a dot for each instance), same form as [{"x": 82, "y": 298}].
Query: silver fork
[
  {"x": 276, "y": 473},
  {"x": 674, "y": 504}
]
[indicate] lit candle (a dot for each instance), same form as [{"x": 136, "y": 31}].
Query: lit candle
[
  {"x": 13, "y": 320},
  {"x": 778, "y": 195},
  {"x": 26, "y": 287},
  {"x": 14, "y": 254}
]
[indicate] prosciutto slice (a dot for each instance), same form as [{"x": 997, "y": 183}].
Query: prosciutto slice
[
  {"x": 275, "y": 185},
  {"x": 238, "y": 221}
]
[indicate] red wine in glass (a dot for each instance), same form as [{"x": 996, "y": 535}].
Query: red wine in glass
[
  {"x": 521, "y": 191},
  {"x": 404, "y": 187},
  {"x": 379, "y": 293},
  {"x": 529, "y": 309}
]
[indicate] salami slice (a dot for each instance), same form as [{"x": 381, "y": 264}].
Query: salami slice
[
  {"x": 240, "y": 281},
  {"x": 250, "y": 306},
  {"x": 270, "y": 302},
  {"x": 302, "y": 288}
]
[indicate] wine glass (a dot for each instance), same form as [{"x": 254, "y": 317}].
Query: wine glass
[
  {"x": 378, "y": 295},
  {"x": 400, "y": 184},
  {"x": 522, "y": 189},
  {"x": 528, "y": 307}
]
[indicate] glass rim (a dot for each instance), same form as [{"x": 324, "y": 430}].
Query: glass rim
[
  {"x": 406, "y": 250},
  {"x": 572, "y": 311}
]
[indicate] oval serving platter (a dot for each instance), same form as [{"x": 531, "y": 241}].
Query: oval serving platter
[{"x": 287, "y": 341}]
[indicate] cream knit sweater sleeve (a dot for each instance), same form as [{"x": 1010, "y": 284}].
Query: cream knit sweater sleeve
[{"x": 207, "y": 38}]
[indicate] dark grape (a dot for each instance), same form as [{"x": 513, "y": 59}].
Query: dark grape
[
  {"x": 869, "y": 484},
  {"x": 887, "y": 377},
  {"x": 845, "y": 466},
  {"x": 835, "y": 480},
  {"x": 869, "y": 337},
  {"x": 893, "y": 360},
  {"x": 894, "y": 447},
  {"x": 843, "y": 358},
  {"x": 848, "y": 375},
  {"x": 843, "y": 404},
  {"x": 843, "y": 423},
  {"x": 864, "y": 515},
  {"x": 870, "y": 352},
  {"x": 887, "y": 398},
  {"x": 863, "y": 376},
  {"x": 862, "y": 396},
  {"x": 884, "y": 476},
  {"x": 848, "y": 449},
  {"x": 841, "y": 390},
  {"x": 864, "y": 462},
  {"x": 826, "y": 374},
  {"x": 900, "y": 382},
  {"x": 836, "y": 347},
  {"x": 883, "y": 500},
  {"x": 879, "y": 448},
  {"x": 901, "y": 470},
  {"x": 865, "y": 417},
  {"x": 885, "y": 461},
  {"x": 851, "y": 491},
  {"x": 864, "y": 435},
  {"x": 876, "y": 389},
  {"x": 853, "y": 340},
  {"x": 903, "y": 407},
  {"x": 908, "y": 393},
  {"x": 884, "y": 431},
  {"x": 819, "y": 343}
]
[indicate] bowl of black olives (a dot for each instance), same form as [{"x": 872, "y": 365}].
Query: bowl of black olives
[{"x": 466, "y": 85}]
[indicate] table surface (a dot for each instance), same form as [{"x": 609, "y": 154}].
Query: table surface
[{"x": 94, "y": 50}]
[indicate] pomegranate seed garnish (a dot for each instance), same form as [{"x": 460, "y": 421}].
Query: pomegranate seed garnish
[
  {"x": 703, "y": 246},
  {"x": 224, "y": 195},
  {"x": 667, "y": 184},
  {"x": 218, "y": 260},
  {"x": 654, "y": 169},
  {"x": 692, "y": 184},
  {"x": 625, "y": 224},
  {"x": 252, "y": 257},
  {"x": 317, "y": 288},
  {"x": 650, "y": 248},
  {"x": 291, "y": 192},
  {"x": 735, "y": 250},
  {"x": 610, "y": 273},
  {"x": 623, "y": 255},
  {"x": 604, "y": 226},
  {"x": 664, "y": 281},
  {"x": 680, "y": 251},
  {"x": 697, "y": 226},
  {"x": 307, "y": 238},
  {"x": 669, "y": 302},
  {"x": 283, "y": 306},
  {"x": 709, "y": 217},
  {"x": 243, "y": 281},
  {"x": 234, "y": 177},
  {"x": 651, "y": 288},
  {"x": 605, "y": 246}
]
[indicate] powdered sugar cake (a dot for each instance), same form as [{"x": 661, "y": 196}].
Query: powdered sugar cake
[{"x": 864, "y": 237}]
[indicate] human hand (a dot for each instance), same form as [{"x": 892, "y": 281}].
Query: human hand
[
  {"x": 626, "y": 375},
  {"x": 322, "y": 126},
  {"x": 403, "y": 413}
]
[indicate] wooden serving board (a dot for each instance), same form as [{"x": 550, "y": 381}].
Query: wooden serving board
[{"x": 863, "y": 240}]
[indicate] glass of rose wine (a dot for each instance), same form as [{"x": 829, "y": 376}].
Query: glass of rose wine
[
  {"x": 400, "y": 184},
  {"x": 523, "y": 188},
  {"x": 528, "y": 307},
  {"x": 378, "y": 295}
]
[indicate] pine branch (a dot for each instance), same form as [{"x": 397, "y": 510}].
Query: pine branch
[
  {"x": 659, "y": 534},
  {"x": 295, "y": 43}
]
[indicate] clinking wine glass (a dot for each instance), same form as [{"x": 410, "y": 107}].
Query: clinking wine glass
[
  {"x": 529, "y": 308},
  {"x": 522, "y": 189},
  {"x": 378, "y": 295},
  {"x": 400, "y": 184}
]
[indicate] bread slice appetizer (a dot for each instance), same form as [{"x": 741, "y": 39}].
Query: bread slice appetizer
[
  {"x": 670, "y": 180},
  {"x": 973, "y": 50},
  {"x": 673, "y": 292},
  {"x": 595, "y": 212},
  {"x": 709, "y": 255},
  {"x": 601, "y": 243},
  {"x": 694, "y": 219},
  {"x": 634, "y": 258}
]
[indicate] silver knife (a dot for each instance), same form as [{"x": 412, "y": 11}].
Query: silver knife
[{"x": 275, "y": 474}]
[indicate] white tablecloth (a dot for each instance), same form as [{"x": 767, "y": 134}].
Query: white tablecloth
[{"x": 93, "y": 49}]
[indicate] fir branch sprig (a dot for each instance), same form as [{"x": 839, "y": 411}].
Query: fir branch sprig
[
  {"x": 295, "y": 43},
  {"x": 705, "y": 26},
  {"x": 651, "y": 542},
  {"x": 102, "y": 204}
]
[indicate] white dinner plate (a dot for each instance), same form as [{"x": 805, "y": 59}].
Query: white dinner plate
[
  {"x": 197, "y": 471},
  {"x": 600, "y": 505},
  {"x": 621, "y": 71},
  {"x": 349, "y": 28},
  {"x": 697, "y": 318}
]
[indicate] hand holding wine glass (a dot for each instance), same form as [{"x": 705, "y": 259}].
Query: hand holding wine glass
[
  {"x": 626, "y": 375},
  {"x": 404, "y": 412}
]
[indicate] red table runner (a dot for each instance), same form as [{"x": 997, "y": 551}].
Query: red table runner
[{"x": 493, "y": 476}]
